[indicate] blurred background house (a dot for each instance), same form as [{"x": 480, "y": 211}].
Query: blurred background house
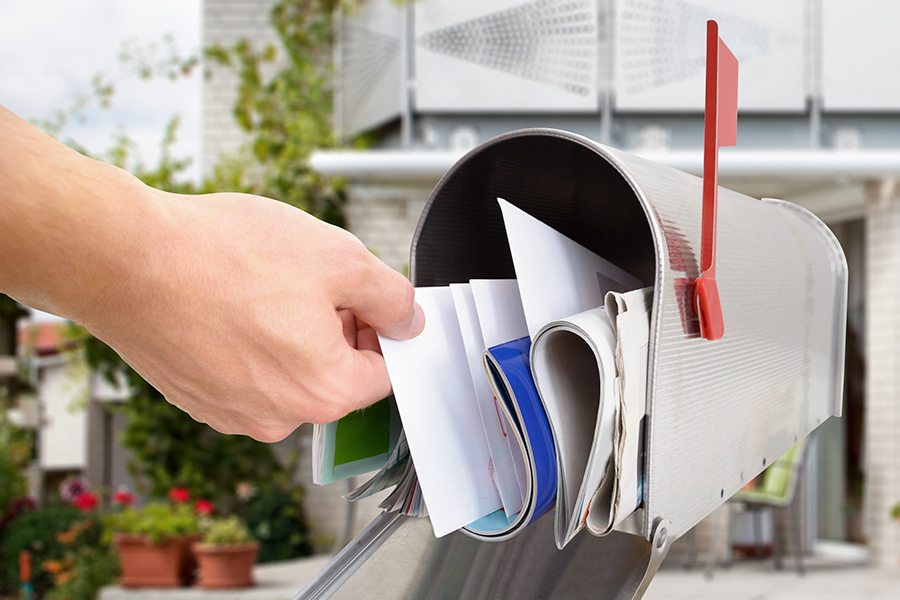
[
  {"x": 819, "y": 125},
  {"x": 69, "y": 411}
]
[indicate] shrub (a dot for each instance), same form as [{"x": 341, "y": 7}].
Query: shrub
[
  {"x": 12, "y": 481},
  {"x": 226, "y": 531},
  {"x": 39, "y": 533},
  {"x": 91, "y": 569},
  {"x": 19, "y": 507},
  {"x": 275, "y": 517},
  {"x": 16, "y": 446},
  {"x": 157, "y": 521}
]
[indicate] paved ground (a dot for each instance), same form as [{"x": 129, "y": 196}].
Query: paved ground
[
  {"x": 274, "y": 581},
  {"x": 762, "y": 582},
  {"x": 825, "y": 580},
  {"x": 835, "y": 571}
]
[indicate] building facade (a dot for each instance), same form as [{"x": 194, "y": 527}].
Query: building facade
[{"x": 819, "y": 126}]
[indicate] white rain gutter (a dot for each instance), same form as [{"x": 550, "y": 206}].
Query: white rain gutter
[
  {"x": 380, "y": 165},
  {"x": 400, "y": 165}
]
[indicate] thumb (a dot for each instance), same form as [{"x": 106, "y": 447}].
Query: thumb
[{"x": 382, "y": 298}]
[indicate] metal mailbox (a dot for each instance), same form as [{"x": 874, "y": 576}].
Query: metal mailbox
[{"x": 717, "y": 411}]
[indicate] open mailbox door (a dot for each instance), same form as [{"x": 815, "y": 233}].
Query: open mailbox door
[{"x": 718, "y": 412}]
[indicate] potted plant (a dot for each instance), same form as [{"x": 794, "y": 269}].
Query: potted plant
[
  {"x": 153, "y": 544},
  {"x": 226, "y": 554}
]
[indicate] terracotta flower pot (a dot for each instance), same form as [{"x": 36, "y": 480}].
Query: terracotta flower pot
[
  {"x": 144, "y": 564},
  {"x": 226, "y": 566}
]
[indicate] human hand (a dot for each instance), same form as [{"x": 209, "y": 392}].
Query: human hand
[{"x": 253, "y": 316}]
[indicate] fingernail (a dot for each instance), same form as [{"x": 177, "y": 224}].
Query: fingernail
[{"x": 418, "y": 320}]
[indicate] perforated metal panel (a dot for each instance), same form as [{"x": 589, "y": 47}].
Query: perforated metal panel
[
  {"x": 368, "y": 83},
  {"x": 660, "y": 52},
  {"x": 506, "y": 55},
  {"x": 860, "y": 55}
]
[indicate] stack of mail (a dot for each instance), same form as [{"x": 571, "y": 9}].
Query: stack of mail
[{"x": 519, "y": 395}]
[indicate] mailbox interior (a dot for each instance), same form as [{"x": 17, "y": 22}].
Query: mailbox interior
[
  {"x": 565, "y": 184},
  {"x": 556, "y": 178}
]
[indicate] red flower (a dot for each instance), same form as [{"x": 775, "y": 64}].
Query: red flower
[
  {"x": 204, "y": 507},
  {"x": 85, "y": 501},
  {"x": 124, "y": 498},
  {"x": 179, "y": 495}
]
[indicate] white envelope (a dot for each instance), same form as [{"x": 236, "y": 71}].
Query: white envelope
[
  {"x": 504, "y": 469},
  {"x": 557, "y": 277},
  {"x": 502, "y": 320},
  {"x": 500, "y": 311},
  {"x": 434, "y": 394}
]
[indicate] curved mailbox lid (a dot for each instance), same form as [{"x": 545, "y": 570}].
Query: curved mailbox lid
[
  {"x": 721, "y": 411},
  {"x": 718, "y": 411}
]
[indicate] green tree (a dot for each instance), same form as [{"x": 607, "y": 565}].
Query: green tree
[{"x": 287, "y": 115}]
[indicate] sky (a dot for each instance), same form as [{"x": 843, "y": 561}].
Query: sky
[{"x": 50, "y": 50}]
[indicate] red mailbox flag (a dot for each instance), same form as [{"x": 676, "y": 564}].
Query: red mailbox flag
[{"x": 719, "y": 129}]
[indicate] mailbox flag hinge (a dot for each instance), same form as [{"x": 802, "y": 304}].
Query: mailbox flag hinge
[{"x": 719, "y": 129}]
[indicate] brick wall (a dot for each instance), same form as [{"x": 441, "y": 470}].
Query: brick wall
[
  {"x": 882, "y": 417},
  {"x": 384, "y": 217},
  {"x": 226, "y": 22}
]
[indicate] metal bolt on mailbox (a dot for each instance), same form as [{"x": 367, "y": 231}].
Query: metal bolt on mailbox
[{"x": 717, "y": 412}]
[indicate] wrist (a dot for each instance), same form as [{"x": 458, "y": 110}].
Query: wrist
[
  {"x": 113, "y": 257},
  {"x": 75, "y": 233}
]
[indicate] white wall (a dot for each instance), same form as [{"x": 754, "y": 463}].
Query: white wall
[{"x": 62, "y": 393}]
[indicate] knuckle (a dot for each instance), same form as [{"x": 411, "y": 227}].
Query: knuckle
[
  {"x": 263, "y": 435},
  {"x": 331, "y": 400},
  {"x": 351, "y": 246},
  {"x": 354, "y": 263}
]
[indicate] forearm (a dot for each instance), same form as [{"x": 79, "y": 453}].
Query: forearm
[{"x": 71, "y": 228}]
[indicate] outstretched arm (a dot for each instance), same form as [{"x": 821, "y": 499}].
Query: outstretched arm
[{"x": 248, "y": 314}]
